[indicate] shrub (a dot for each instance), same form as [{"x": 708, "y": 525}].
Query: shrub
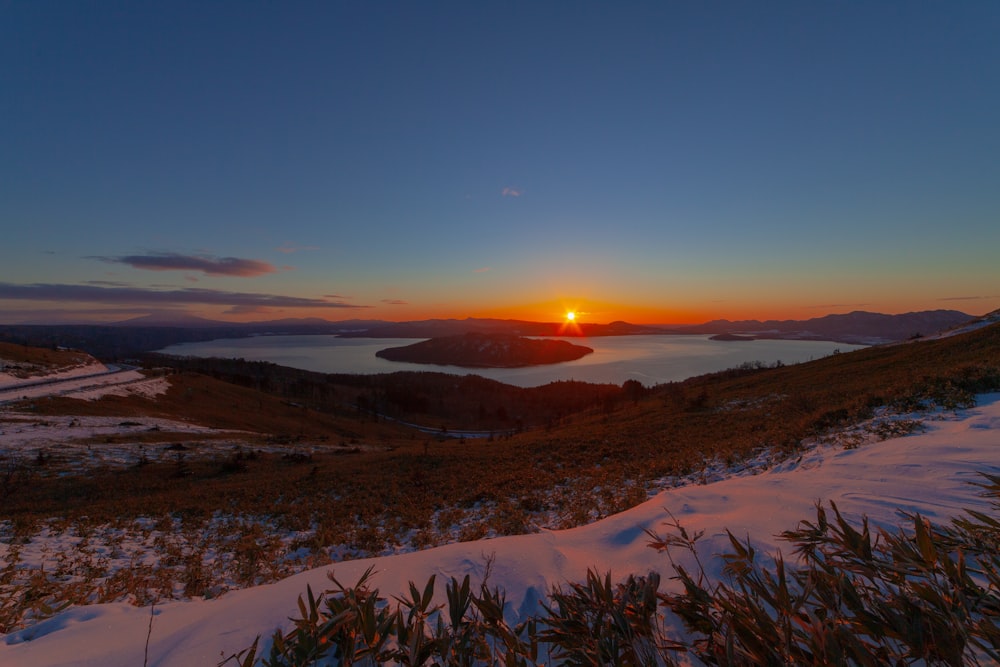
[{"x": 926, "y": 594}]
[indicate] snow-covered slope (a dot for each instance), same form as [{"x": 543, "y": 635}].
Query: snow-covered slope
[
  {"x": 928, "y": 473},
  {"x": 10, "y": 380},
  {"x": 972, "y": 325}
]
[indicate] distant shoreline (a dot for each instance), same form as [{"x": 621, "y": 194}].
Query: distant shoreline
[
  {"x": 731, "y": 337},
  {"x": 650, "y": 359}
]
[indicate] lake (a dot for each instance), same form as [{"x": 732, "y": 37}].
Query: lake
[{"x": 649, "y": 359}]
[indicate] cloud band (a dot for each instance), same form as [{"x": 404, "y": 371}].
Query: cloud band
[
  {"x": 144, "y": 296},
  {"x": 207, "y": 264}
]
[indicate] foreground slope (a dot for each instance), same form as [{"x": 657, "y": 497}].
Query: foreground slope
[
  {"x": 21, "y": 365},
  {"x": 928, "y": 473}
]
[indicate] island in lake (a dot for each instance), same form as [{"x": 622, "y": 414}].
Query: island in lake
[
  {"x": 482, "y": 350},
  {"x": 730, "y": 336}
]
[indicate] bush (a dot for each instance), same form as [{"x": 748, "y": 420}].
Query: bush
[{"x": 927, "y": 595}]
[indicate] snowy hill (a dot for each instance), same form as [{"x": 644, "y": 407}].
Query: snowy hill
[
  {"x": 20, "y": 365},
  {"x": 930, "y": 473}
]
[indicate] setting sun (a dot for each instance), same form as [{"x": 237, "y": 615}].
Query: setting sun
[{"x": 570, "y": 316}]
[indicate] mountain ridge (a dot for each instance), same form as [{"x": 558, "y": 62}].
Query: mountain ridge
[{"x": 128, "y": 338}]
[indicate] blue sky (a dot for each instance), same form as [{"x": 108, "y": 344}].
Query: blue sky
[{"x": 657, "y": 162}]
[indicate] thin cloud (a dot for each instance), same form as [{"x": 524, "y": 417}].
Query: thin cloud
[
  {"x": 289, "y": 248},
  {"x": 207, "y": 264},
  {"x": 965, "y": 298},
  {"x": 247, "y": 310},
  {"x": 396, "y": 302},
  {"x": 481, "y": 270},
  {"x": 826, "y": 306},
  {"x": 36, "y": 314},
  {"x": 512, "y": 192},
  {"x": 107, "y": 283},
  {"x": 139, "y": 295}
]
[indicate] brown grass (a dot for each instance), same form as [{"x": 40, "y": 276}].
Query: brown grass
[
  {"x": 367, "y": 499},
  {"x": 672, "y": 431},
  {"x": 201, "y": 400},
  {"x": 42, "y": 357}
]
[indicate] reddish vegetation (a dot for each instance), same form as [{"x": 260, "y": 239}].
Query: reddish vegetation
[{"x": 38, "y": 359}]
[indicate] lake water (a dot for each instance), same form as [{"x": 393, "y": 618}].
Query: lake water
[{"x": 649, "y": 359}]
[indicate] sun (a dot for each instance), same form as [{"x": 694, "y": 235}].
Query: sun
[{"x": 571, "y": 325}]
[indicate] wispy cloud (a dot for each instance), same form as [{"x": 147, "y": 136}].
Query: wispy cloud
[
  {"x": 247, "y": 310},
  {"x": 481, "y": 270},
  {"x": 207, "y": 264},
  {"x": 396, "y": 302},
  {"x": 146, "y": 296},
  {"x": 38, "y": 314},
  {"x": 966, "y": 298},
  {"x": 826, "y": 306},
  {"x": 107, "y": 283},
  {"x": 512, "y": 192},
  {"x": 289, "y": 248}
]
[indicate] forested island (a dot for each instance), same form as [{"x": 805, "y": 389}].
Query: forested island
[{"x": 479, "y": 350}]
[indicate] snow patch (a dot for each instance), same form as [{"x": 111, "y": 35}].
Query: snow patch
[
  {"x": 930, "y": 472},
  {"x": 147, "y": 388},
  {"x": 41, "y": 374}
]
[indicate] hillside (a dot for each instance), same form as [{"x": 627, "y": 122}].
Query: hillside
[
  {"x": 855, "y": 327},
  {"x": 478, "y": 350},
  {"x": 869, "y": 471},
  {"x": 20, "y": 364},
  {"x": 293, "y": 494}
]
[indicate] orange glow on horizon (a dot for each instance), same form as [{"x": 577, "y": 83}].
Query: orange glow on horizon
[
  {"x": 575, "y": 311},
  {"x": 565, "y": 312},
  {"x": 681, "y": 309}
]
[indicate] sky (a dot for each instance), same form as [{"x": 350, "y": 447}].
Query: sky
[{"x": 655, "y": 162}]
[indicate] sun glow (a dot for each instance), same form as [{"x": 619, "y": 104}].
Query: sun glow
[{"x": 571, "y": 325}]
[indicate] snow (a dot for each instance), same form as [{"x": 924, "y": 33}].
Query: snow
[
  {"x": 146, "y": 388},
  {"x": 87, "y": 382},
  {"x": 929, "y": 472},
  {"x": 978, "y": 323},
  {"x": 8, "y": 380},
  {"x": 74, "y": 444}
]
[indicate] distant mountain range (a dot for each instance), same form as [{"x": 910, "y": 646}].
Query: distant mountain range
[
  {"x": 156, "y": 331},
  {"x": 856, "y": 327},
  {"x": 184, "y": 320}
]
